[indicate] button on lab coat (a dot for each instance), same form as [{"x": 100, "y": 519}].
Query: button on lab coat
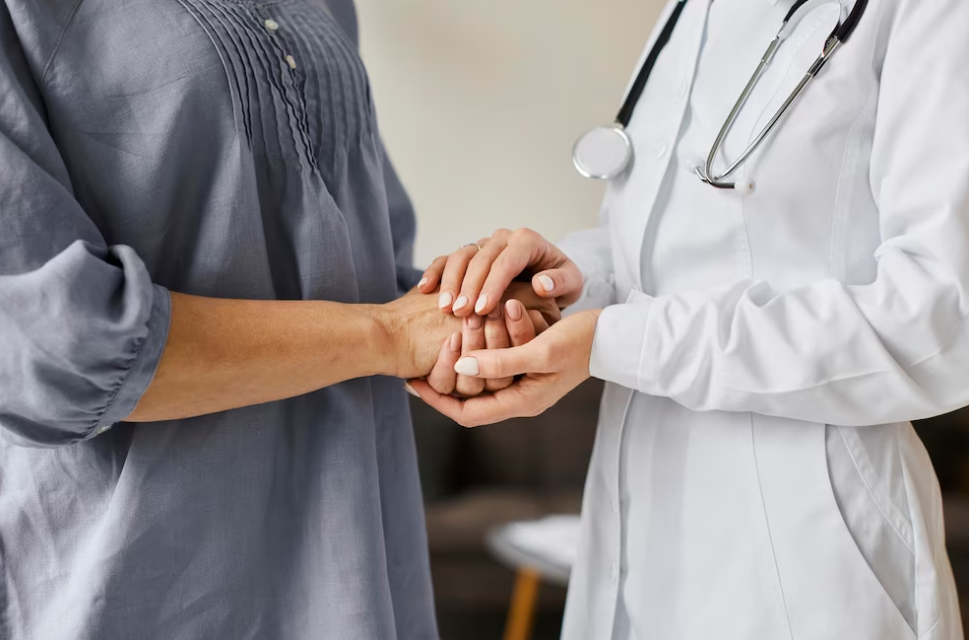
[{"x": 755, "y": 475}]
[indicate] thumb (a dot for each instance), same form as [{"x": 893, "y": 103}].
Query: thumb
[
  {"x": 563, "y": 283},
  {"x": 498, "y": 363}
]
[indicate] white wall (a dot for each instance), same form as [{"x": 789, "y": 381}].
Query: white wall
[{"x": 480, "y": 102}]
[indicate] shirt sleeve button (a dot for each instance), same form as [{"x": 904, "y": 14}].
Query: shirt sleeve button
[{"x": 271, "y": 25}]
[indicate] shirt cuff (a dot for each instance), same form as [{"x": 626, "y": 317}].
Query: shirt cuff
[
  {"x": 145, "y": 362},
  {"x": 618, "y": 349},
  {"x": 597, "y": 287}
]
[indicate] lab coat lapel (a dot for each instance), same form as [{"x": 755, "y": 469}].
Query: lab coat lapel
[{"x": 684, "y": 49}]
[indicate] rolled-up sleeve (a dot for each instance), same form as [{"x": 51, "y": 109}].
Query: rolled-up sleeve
[{"x": 82, "y": 326}]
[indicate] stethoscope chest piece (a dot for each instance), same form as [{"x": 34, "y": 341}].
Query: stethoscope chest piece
[{"x": 604, "y": 153}]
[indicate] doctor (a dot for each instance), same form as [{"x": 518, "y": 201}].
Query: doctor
[{"x": 755, "y": 474}]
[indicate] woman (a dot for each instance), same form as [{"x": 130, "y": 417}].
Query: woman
[
  {"x": 195, "y": 231},
  {"x": 753, "y": 339}
]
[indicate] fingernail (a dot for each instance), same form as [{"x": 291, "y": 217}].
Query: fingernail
[
  {"x": 547, "y": 283},
  {"x": 467, "y": 367},
  {"x": 422, "y": 282},
  {"x": 482, "y": 303},
  {"x": 514, "y": 309},
  {"x": 444, "y": 300},
  {"x": 411, "y": 390},
  {"x": 460, "y": 303},
  {"x": 474, "y": 322},
  {"x": 496, "y": 314},
  {"x": 455, "y": 342}
]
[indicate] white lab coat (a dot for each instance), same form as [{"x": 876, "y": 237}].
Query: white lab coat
[{"x": 738, "y": 489}]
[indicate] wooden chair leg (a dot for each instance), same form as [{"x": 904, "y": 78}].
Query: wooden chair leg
[{"x": 521, "y": 613}]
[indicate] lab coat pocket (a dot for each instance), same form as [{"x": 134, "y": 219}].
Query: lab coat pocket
[
  {"x": 830, "y": 590},
  {"x": 866, "y": 477}
]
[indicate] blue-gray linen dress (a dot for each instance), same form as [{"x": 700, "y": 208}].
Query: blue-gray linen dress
[{"x": 222, "y": 148}]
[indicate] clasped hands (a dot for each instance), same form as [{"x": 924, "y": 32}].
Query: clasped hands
[{"x": 513, "y": 356}]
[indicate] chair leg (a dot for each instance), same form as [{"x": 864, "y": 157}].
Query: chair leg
[{"x": 521, "y": 613}]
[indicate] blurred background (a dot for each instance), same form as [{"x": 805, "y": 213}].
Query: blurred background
[{"x": 479, "y": 103}]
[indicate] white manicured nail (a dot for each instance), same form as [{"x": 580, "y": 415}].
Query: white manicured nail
[
  {"x": 422, "y": 282},
  {"x": 482, "y": 303},
  {"x": 547, "y": 283},
  {"x": 467, "y": 367},
  {"x": 411, "y": 390},
  {"x": 460, "y": 303},
  {"x": 444, "y": 300}
]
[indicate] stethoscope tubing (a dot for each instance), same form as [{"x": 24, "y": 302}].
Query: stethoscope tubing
[{"x": 838, "y": 37}]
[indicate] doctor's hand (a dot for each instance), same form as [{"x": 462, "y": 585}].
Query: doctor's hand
[
  {"x": 474, "y": 278},
  {"x": 510, "y": 325},
  {"x": 551, "y": 365}
]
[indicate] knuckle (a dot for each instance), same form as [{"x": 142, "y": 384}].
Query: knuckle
[
  {"x": 453, "y": 259},
  {"x": 501, "y": 233}
]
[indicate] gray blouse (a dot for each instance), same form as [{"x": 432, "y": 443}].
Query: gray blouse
[{"x": 223, "y": 148}]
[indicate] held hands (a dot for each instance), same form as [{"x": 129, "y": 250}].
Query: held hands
[
  {"x": 413, "y": 330},
  {"x": 475, "y": 277},
  {"x": 551, "y": 365},
  {"x": 472, "y": 282}
]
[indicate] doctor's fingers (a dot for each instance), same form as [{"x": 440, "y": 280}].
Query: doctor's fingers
[
  {"x": 497, "y": 336},
  {"x": 477, "y": 273},
  {"x": 432, "y": 275},
  {"x": 533, "y": 357},
  {"x": 442, "y": 377},
  {"x": 554, "y": 275},
  {"x": 473, "y": 338},
  {"x": 486, "y": 409},
  {"x": 454, "y": 271},
  {"x": 564, "y": 283}
]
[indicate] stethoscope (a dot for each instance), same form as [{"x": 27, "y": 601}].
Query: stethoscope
[{"x": 605, "y": 153}]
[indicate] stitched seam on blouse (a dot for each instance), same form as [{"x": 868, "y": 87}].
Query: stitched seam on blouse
[
  {"x": 274, "y": 75},
  {"x": 60, "y": 39},
  {"x": 244, "y": 97}
]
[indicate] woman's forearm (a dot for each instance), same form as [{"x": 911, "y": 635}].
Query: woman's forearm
[{"x": 224, "y": 354}]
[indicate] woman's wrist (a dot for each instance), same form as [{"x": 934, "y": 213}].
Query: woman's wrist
[{"x": 381, "y": 333}]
